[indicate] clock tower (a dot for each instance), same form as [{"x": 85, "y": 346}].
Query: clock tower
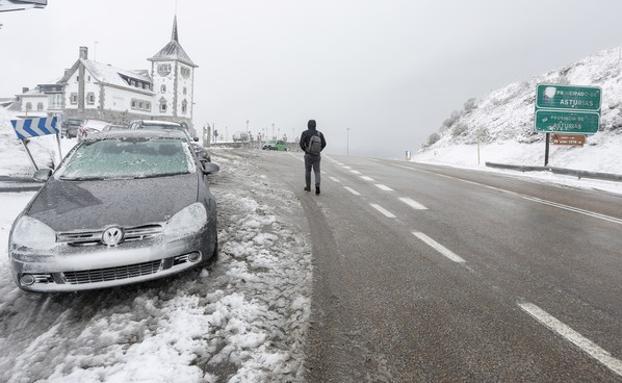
[{"x": 172, "y": 71}]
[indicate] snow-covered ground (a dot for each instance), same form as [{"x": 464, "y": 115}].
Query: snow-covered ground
[
  {"x": 503, "y": 122},
  {"x": 13, "y": 158},
  {"x": 602, "y": 158},
  {"x": 244, "y": 319}
]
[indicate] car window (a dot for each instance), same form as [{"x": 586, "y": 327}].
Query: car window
[{"x": 128, "y": 158}]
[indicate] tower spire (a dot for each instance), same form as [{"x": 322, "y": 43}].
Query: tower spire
[{"x": 174, "y": 34}]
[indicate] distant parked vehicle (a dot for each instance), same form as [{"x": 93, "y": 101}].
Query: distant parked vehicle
[
  {"x": 90, "y": 127},
  {"x": 199, "y": 150},
  {"x": 241, "y": 137},
  {"x": 70, "y": 127},
  {"x": 277, "y": 145}
]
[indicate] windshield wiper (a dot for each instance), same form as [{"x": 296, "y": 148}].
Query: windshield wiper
[
  {"x": 163, "y": 175},
  {"x": 81, "y": 178}
]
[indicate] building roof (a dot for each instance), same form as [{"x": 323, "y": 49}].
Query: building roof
[
  {"x": 108, "y": 74},
  {"x": 173, "y": 50}
]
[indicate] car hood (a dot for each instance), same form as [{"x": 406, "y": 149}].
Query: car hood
[{"x": 82, "y": 205}]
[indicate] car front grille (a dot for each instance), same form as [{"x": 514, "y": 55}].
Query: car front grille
[
  {"x": 112, "y": 273},
  {"x": 93, "y": 237}
]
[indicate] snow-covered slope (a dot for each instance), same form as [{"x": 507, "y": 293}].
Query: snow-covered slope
[{"x": 503, "y": 123}]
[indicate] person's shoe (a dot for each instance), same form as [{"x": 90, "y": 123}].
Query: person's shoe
[
  {"x": 307, "y": 188},
  {"x": 317, "y": 190}
]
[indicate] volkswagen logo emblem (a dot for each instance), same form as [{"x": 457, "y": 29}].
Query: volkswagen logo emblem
[{"x": 112, "y": 236}]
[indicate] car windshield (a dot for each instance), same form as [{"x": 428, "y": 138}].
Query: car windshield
[{"x": 128, "y": 158}]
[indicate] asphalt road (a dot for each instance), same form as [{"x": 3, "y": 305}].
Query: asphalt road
[{"x": 497, "y": 279}]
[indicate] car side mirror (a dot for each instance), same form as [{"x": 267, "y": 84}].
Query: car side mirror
[
  {"x": 195, "y": 139},
  {"x": 210, "y": 167},
  {"x": 42, "y": 175}
]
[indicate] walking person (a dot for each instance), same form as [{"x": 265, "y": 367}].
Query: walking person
[{"x": 312, "y": 142}]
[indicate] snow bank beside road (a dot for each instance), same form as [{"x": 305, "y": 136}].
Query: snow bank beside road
[
  {"x": 242, "y": 320},
  {"x": 13, "y": 158},
  {"x": 605, "y": 157}
]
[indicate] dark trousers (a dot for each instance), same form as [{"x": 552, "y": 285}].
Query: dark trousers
[{"x": 312, "y": 161}]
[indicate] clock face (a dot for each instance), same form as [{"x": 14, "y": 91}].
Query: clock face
[
  {"x": 185, "y": 72},
  {"x": 164, "y": 69}
]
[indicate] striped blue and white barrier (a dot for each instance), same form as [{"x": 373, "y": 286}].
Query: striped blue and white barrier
[{"x": 35, "y": 127}]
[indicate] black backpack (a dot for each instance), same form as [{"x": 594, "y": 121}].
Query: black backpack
[{"x": 315, "y": 144}]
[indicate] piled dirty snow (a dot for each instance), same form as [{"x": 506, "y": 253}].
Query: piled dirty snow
[{"x": 243, "y": 319}]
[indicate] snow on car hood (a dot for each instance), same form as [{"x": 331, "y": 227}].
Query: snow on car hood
[{"x": 79, "y": 205}]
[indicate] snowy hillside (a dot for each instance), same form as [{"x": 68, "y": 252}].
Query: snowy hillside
[{"x": 503, "y": 123}]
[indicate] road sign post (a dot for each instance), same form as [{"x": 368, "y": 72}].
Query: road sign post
[
  {"x": 566, "y": 110},
  {"x": 35, "y": 127}
]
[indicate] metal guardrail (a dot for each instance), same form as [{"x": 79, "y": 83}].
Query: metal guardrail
[{"x": 570, "y": 172}]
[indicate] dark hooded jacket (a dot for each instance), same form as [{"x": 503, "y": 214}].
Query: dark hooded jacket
[{"x": 306, "y": 136}]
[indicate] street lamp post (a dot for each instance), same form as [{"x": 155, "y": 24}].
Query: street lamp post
[{"x": 348, "y": 141}]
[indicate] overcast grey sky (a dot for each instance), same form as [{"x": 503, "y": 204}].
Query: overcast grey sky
[{"x": 390, "y": 70}]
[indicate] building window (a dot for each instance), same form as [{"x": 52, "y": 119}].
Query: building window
[
  {"x": 164, "y": 69},
  {"x": 88, "y": 79},
  {"x": 163, "y": 88},
  {"x": 40, "y": 107},
  {"x": 184, "y": 106},
  {"x": 90, "y": 98},
  {"x": 28, "y": 106},
  {"x": 74, "y": 99},
  {"x": 185, "y": 72},
  {"x": 163, "y": 106},
  {"x": 55, "y": 101},
  {"x": 141, "y": 105},
  {"x": 185, "y": 91}
]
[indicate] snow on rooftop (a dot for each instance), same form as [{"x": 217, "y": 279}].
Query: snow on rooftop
[{"x": 109, "y": 74}]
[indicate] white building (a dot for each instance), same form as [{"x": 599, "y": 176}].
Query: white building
[{"x": 94, "y": 90}]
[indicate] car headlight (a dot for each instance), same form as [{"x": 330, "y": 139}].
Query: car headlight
[
  {"x": 33, "y": 234},
  {"x": 189, "y": 220}
]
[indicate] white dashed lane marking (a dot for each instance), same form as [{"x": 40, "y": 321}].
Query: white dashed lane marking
[
  {"x": 351, "y": 190},
  {"x": 438, "y": 247},
  {"x": 366, "y": 178},
  {"x": 589, "y": 347},
  {"x": 412, "y": 203},
  {"x": 355, "y": 172},
  {"x": 383, "y": 187},
  {"x": 382, "y": 210},
  {"x": 335, "y": 179}
]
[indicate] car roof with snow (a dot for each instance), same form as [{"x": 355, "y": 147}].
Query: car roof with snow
[
  {"x": 146, "y": 133},
  {"x": 160, "y": 123}
]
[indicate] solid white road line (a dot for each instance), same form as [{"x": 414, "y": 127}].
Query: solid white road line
[
  {"x": 335, "y": 179},
  {"x": 589, "y": 347},
  {"x": 412, "y": 203},
  {"x": 383, "y": 187},
  {"x": 526, "y": 197},
  {"x": 382, "y": 210},
  {"x": 366, "y": 178},
  {"x": 355, "y": 172},
  {"x": 438, "y": 247},
  {"x": 351, "y": 190}
]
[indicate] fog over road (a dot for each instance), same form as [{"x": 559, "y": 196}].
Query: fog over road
[{"x": 426, "y": 273}]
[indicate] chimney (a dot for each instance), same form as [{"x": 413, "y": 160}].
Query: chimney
[
  {"x": 24, "y": 90},
  {"x": 84, "y": 53}
]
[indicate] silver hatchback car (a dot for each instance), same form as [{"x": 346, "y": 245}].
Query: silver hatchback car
[{"x": 123, "y": 207}]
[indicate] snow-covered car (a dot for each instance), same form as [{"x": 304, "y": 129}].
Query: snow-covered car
[
  {"x": 167, "y": 125},
  {"x": 112, "y": 127},
  {"x": 123, "y": 207},
  {"x": 90, "y": 127}
]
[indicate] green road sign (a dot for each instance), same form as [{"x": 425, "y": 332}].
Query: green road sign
[
  {"x": 552, "y": 96},
  {"x": 566, "y": 121}
]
